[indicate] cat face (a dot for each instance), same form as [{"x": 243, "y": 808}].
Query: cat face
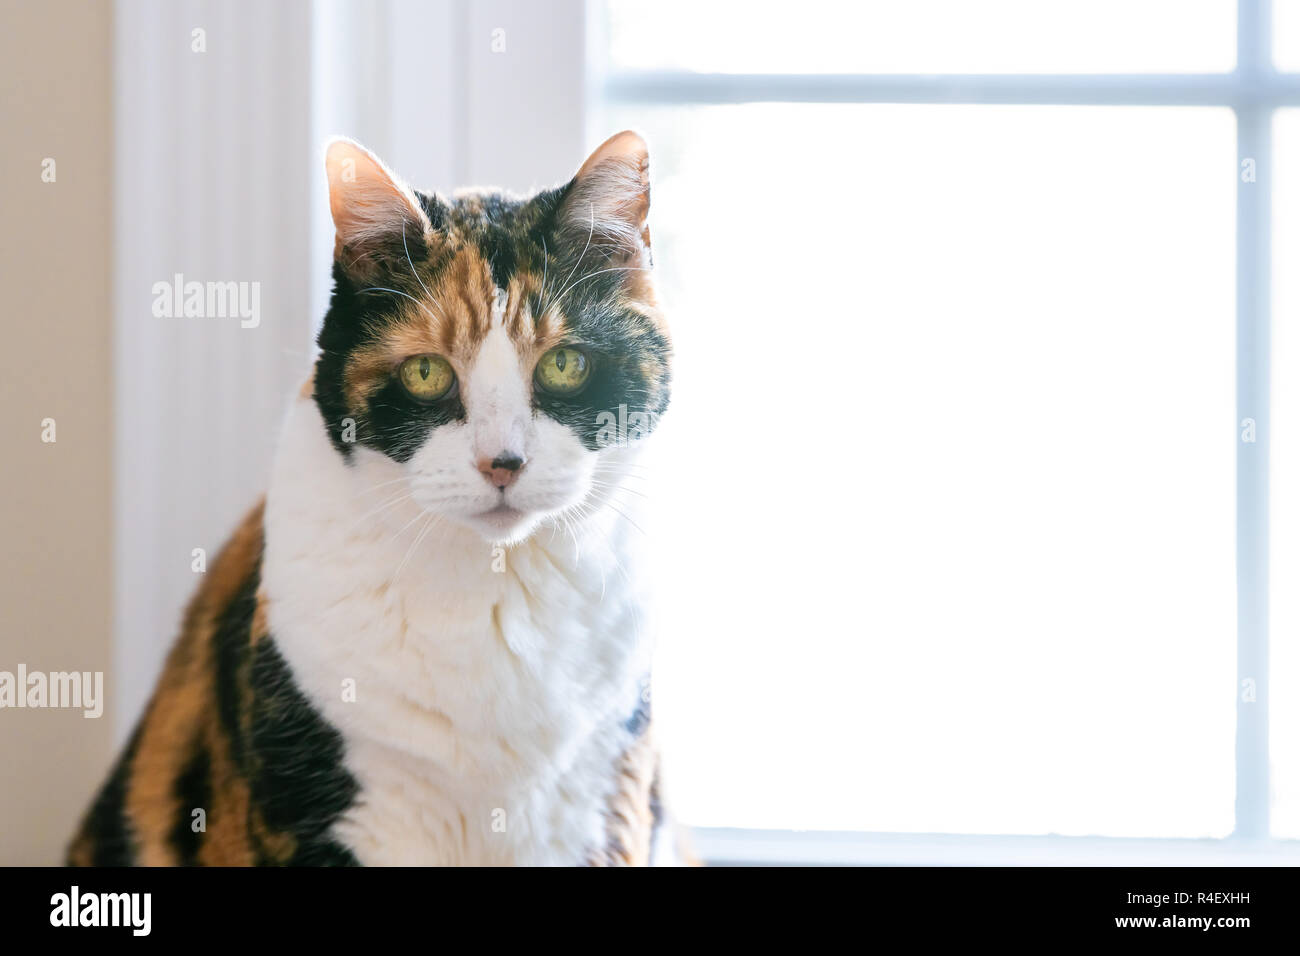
[{"x": 494, "y": 348}]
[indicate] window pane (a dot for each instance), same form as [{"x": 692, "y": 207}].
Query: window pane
[
  {"x": 1286, "y": 34},
  {"x": 946, "y": 493},
  {"x": 923, "y": 36},
  {"x": 1284, "y": 483}
]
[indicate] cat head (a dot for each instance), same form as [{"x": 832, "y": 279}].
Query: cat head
[{"x": 494, "y": 348}]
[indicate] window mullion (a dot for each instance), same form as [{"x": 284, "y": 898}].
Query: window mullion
[{"x": 1254, "y": 251}]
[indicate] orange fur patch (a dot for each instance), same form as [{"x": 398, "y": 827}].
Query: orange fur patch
[
  {"x": 182, "y": 720},
  {"x": 629, "y": 827}
]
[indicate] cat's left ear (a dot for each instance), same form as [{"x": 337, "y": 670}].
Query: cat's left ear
[
  {"x": 377, "y": 217},
  {"x": 609, "y": 199}
]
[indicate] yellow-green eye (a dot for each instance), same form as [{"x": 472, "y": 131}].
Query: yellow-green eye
[
  {"x": 426, "y": 377},
  {"x": 563, "y": 371}
]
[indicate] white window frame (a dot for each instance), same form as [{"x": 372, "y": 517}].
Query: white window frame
[{"x": 1254, "y": 90}]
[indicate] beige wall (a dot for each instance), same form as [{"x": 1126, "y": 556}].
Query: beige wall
[{"x": 55, "y": 362}]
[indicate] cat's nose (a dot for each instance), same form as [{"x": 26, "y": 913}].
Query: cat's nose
[{"x": 501, "y": 470}]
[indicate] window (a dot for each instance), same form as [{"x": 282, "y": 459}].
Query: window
[
  {"x": 971, "y": 307},
  {"x": 1284, "y": 707}
]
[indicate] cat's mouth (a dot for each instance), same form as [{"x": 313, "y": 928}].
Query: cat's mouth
[
  {"x": 502, "y": 520},
  {"x": 504, "y": 524}
]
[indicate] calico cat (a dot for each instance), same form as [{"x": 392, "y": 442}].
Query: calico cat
[{"x": 424, "y": 646}]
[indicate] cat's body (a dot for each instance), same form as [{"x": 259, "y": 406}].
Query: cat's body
[{"x": 420, "y": 651}]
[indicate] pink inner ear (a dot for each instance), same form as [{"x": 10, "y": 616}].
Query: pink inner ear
[
  {"x": 627, "y": 146},
  {"x": 371, "y": 208},
  {"x": 610, "y": 200}
]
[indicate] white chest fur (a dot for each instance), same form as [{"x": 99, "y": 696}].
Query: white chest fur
[{"x": 481, "y": 693}]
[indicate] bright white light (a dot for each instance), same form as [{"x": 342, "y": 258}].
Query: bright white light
[
  {"x": 1284, "y": 482},
  {"x": 947, "y": 492},
  {"x": 924, "y": 36},
  {"x": 1286, "y": 34}
]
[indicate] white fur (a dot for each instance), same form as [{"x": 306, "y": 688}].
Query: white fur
[{"x": 488, "y": 721}]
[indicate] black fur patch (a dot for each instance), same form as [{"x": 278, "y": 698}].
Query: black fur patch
[
  {"x": 640, "y": 719},
  {"x": 399, "y": 425},
  {"x": 230, "y": 643},
  {"x": 656, "y": 806},
  {"x": 292, "y": 759},
  {"x": 193, "y": 792},
  {"x": 113, "y": 840},
  {"x": 300, "y": 783}
]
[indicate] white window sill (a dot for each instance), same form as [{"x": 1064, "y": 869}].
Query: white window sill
[{"x": 722, "y": 846}]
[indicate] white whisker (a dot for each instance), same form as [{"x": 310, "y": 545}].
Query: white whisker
[
  {"x": 592, "y": 275},
  {"x": 578, "y": 262},
  {"x": 414, "y": 273},
  {"x": 428, "y": 525},
  {"x": 380, "y": 288}
]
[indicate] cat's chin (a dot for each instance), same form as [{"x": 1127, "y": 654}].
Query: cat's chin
[{"x": 503, "y": 524}]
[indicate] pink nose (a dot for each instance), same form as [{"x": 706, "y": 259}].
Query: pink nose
[{"x": 501, "y": 470}]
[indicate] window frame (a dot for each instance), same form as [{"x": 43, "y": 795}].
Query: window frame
[{"x": 1253, "y": 90}]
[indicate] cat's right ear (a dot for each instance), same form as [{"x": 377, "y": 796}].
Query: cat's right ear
[{"x": 377, "y": 218}]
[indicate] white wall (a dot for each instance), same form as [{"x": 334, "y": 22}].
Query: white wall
[{"x": 212, "y": 155}]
